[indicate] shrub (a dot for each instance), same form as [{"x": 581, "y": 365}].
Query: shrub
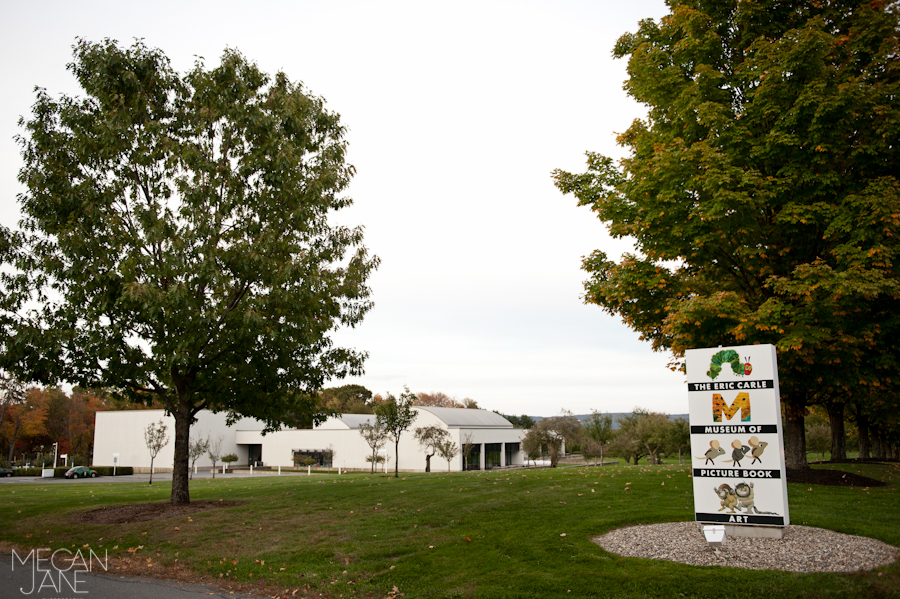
[
  {"x": 57, "y": 472},
  {"x": 108, "y": 470},
  {"x": 27, "y": 472}
]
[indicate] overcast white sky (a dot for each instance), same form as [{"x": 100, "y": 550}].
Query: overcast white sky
[{"x": 457, "y": 114}]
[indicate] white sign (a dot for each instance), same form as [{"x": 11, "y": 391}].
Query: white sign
[{"x": 737, "y": 436}]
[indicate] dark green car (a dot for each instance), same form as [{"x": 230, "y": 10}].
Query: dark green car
[{"x": 80, "y": 472}]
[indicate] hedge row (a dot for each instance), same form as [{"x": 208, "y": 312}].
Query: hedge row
[
  {"x": 57, "y": 472},
  {"x": 108, "y": 470}
]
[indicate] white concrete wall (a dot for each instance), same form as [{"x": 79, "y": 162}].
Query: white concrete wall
[{"x": 122, "y": 432}]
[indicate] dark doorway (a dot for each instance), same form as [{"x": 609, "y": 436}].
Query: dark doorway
[{"x": 254, "y": 455}]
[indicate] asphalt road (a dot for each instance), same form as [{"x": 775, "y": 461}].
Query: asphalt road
[
  {"x": 159, "y": 476},
  {"x": 29, "y": 580}
]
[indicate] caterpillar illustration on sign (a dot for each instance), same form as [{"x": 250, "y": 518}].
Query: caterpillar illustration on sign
[{"x": 726, "y": 356}]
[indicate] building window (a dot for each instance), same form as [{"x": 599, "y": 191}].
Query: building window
[
  {"x": 312, "y": 457},
  {"x": 491, "y": 455},
  {"x": 473, "y": 460},
  {"x": 511, "y": 449}
]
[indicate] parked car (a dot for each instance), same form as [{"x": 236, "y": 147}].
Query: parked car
[
  {"x": 5, "y": 472},
  {"x": 80, "y": 472}
]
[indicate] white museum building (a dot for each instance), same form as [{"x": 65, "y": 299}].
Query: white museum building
[{"x": 119, "y": 438}]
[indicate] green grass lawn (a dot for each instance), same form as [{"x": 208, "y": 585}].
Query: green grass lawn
[{"x": 478, "y": 534}]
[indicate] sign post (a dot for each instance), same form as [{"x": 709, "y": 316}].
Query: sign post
[
  {"x": 115, "y": 462},
  {"x": 737, "y": 439}
]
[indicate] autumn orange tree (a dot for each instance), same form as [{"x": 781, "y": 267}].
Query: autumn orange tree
[
  {"x": 761, "y": 194},
  {"x": 24, "y": 420},
  {"x": 35, "y": 417}
]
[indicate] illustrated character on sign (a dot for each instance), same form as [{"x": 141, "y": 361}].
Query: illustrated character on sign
[
  {"x": 748, "y": 368},
  {"x": 714, "y": 451},
  {"x": 745, "y": 495},
  {"x": 740, "y": 452},
  {"x": 729, "y": 499},
  {"x": 726, "y": 356},
  {"x": 758, "y": 447}
]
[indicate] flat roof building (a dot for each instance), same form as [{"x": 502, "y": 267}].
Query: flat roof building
[{"x": 334, "y": 443}]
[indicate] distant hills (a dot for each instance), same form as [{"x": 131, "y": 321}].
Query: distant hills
[{"x": 616, "y": 417}]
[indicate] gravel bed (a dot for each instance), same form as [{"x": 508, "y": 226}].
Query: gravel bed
[{"x": 803, "y": 548}]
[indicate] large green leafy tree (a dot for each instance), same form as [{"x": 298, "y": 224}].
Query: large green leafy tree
[
  {"x": 761, "y": 193},
  {"x": 175, "y": 243},
  {"x": 348, "y": 399}
]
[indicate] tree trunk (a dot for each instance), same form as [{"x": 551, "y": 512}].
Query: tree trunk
[
  {"x": 877, "y": 450},
  {"x": 152, "y": 458},
  {"x": 428, "y": 462},
  {"x": 651, "y": 454},
  {"x": 14, "y": 435},
  {"x": 180, "y": 483},
  {"x": 397, "y": 458},
  {"x": 862, "y": 424},
  {"x": 12, "y": 452},
  {"x": 795, "y": 437},
  {"x": 838, "y": 436}
]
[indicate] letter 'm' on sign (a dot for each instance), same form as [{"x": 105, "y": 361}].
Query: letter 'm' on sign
[{"x": 719, "y": 407}]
